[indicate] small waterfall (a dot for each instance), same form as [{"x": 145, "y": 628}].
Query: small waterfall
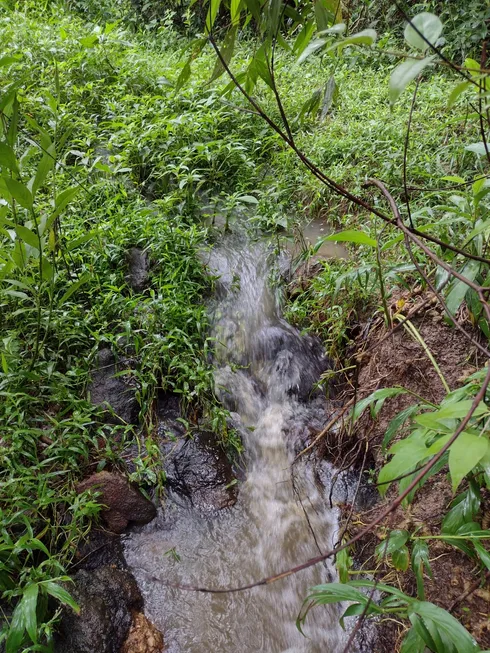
[{"x": 265, "y": 375}]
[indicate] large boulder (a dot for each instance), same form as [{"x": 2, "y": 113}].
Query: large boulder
[
  {"x": 107, "y": 598},
  {"x": 124, "y": 503},
  {"x": 112, "y": 392}
]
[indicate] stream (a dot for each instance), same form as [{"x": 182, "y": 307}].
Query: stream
[{"x": 265, "y": 374}]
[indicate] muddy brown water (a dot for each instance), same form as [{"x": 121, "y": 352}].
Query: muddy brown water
[
  {"x": 265, "y": 372},
  {"x": 313, "y": 235}
]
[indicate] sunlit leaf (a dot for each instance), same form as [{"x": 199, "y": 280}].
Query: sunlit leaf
[
  {"x": 464, "y": 454},
  {"x": 405, "y": 73},
  {"x": 425, "y": 25},
  {"x": 351, "y": 236},
  {"x": 19, "y": 192},
  {"x": 366, "y": 37}
]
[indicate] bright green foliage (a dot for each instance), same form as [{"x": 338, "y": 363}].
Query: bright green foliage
[
  {"x": 433, "y": 626},
  {"x": 111, "y": 139}
]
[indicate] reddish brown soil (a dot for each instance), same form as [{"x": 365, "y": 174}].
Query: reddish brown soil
[{"x": 394, "y": 360}]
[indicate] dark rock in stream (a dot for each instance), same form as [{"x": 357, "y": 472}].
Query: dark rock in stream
[
  {"x": 198, "y": 469},
  {"x": 107, "y": 390},
  {"x": 124, "y": 502},
  {"x": 107, "y": 597},
  {"x": 138, "y": 268},
  {"x": 297, "y": 361},
  {"x": 195, "y": 464},
  {"x": 101, "y": 548}
]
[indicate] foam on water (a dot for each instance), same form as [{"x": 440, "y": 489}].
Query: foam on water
[{"x": 265, "y": 371}]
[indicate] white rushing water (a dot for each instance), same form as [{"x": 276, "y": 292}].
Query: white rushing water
[{"x": 265, "y": 371}]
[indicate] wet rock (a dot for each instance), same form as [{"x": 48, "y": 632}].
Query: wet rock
[
  {"x": 138, "y": 268},
  {"x": 112, "y": 392},
  {"x": 198, "y": 468},
  {"x": 143, "y": 636},
  {"x": 296, "y": 362},
  {"x": 106, "y": 597},
  {"x": 101, "y": 548},
  {"x": 124, "y": 502}
]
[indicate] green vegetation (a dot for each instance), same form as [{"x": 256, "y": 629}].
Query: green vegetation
[{"x": 111, "y": 136}]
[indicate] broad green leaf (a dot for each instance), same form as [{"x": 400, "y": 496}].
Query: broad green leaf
[
  {"x": 410, "y": 453},
  {"x": 366, "y": 37},
  {"x": 45, "y": 165},
  {"x": 352, "y": 611},
  {"x": 483, "y": 554},
  {"x": 273, "y": 14},
  {"x": 343, "y": 562},
  {"x": 419, "y": 626},
  {"x": 455, "y": 410},
  {"x": 463, "y": 509},
  {"x": 47, "y": 269},
  {"x": 184, "y": 76},
  {"x": 226, "y": 52},
  {"x": 473, "y": 67},
  {"x": 412, "y": 642},
  {"x": 464, "y": 454},
  {"x": 458, "y": 288},
  {"x": 262, "y": 67},
  {"x": 438, "y": 444},
  {"x": 405, "y": 73},
  {"x": 382, "y": 588},
  {"x": 89, "y": 41},
  {"x": 455, "y": 179},
  {"x": 449, "y": 634},
  {"x": 61, "y": 202},
  {"x": 456, "y": 92},
  {"x": 61, "y": 595},
  {"x": 477, "y": 148},
  {"x": 16, "y": 630},
  {"x": 425, "y": 25},
  {"x": 334, "y": 592},
  {"x": 376, "y": 396},
  {"x": 323, "y": 15},
  {"x": 7, "y": 60},
  {"x": 351, "y": 236},
  {"x": 480, "y": 227},
  {"x": 303, "y": 38},
  {"x": 254, "y": 6},
  {"x": 401, "y": 559},
  {"x": 74, "y": 287},
  {"x": 335, "y": 29},
  {"x": 235, "y": 8},
  {"x": 396, "y": 423},
  {"x": 312, "y": 47},
  {"x": 29, "y": 604},
  {"x": 7, "y": 158},
  {"x": 27, "y": 236},
  {"x": 19, "y": 192},
  {"x": 396, "y": 540},
  {"x": 212, "y": 13},
  {"x": 76, "y": 242}
]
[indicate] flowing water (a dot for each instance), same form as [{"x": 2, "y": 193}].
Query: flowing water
[{"x": 265, "y": 371}]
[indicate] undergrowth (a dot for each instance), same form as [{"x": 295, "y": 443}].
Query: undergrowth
[{"x": 104, "y": 148}]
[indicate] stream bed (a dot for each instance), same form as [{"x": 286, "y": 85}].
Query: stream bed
[{"x": 266, "y": 375}]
